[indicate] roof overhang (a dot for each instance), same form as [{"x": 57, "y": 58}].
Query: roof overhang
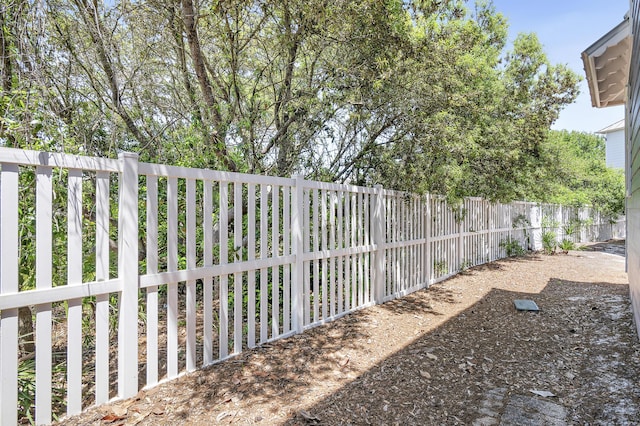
[{"x": 606, "y": 63}]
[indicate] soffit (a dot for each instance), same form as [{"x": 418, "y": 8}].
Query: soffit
[{"x": 606, "y": 63}]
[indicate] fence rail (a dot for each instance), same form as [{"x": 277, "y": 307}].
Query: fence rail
[{"x": 136, "y": 273}]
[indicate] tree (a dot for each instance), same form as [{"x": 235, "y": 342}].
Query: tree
[{"x": 577, "y": 173}]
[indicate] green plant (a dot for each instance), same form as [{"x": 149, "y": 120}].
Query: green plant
[
  {"x": 549, "y": 223},
  {"x": 512, "y": 247},
  {"x": 440, "y": 267},
  {"x": 549, "y": 242},
  {"x": 27, "y": 389},
  {"x": 466, "y": 264},
  {"x": 567, "y": 245}
]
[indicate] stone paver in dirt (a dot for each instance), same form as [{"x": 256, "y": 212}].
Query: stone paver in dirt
[{"x": 456, "y": 353}]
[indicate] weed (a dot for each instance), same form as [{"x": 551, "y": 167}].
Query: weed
[
  {"x": 549, "y": 242},
  {"x": 440, "y": 267},
  {"x": 567, "y": 245},
  {"x": 466, "y": 264},
  {"x": 512, "y": 247}
]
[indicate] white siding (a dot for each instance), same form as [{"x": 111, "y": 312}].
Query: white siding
[
  {"x": 633, "y": 171},
  {"x": 615, "y": 149}
]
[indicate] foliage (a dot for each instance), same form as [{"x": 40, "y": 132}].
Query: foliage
[
  {"x": 577, "y": 173},
  {"x": 440, "y": 267},
  {"x": 549, "y": 242},
  {"x": 512, "y": 247},
  {"x": 566, "y": 245},
  {"x": 27, "y": 388},
  {"x": 413, "y": 95}
]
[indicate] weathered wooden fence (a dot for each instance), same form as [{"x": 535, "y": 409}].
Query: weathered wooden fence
[{"x": 136, "y": 273}]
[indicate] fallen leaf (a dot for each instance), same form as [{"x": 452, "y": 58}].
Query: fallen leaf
[
  {"x": 112, "y": 418},
  {"x": 432, "y": 356},
  {"x": 119, "y": 410},
  {"x": 543, "y": 394},
  {"x": 425, "y": 374}
]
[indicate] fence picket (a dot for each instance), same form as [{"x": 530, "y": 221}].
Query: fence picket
[
  {"x": 74, "y": 306},
  {"x": 44, "y": 246},
  {"x": 264, "y": 285},
  {"x": 102, "y": 300},
  {"x": 307, "y": 264},
  {"x": 316, "y": 267},
  {"x": 332, "y": 260},
  {"x": 128, "y": 233},
  {"x": 347, "y": 259},
  {"x": 207, "y": 282},
  {"x": 286, "y": 247},
  {"x": 172, "y": 288},
  {"x": 360, "y": 258},
  {"x": 191, "y": 284},
  {"x": 323, "y": 238},
  {"x": 339, "y": 245},
  {"x": 224, "y": 279},
  {"x": 237, "y": 277},
  {"x": 152, "y": 292},
  {"x": 251, "y": 255},
  {"x": 9, "y": 262},
  {"x": 354, "y": 265},
  {"x": 275, "y": 271},
  {"x": 298, "y": 251}
]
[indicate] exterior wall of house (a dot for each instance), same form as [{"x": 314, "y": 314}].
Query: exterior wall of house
[
  {"x": 615, "y": 149},
  {"x": 633, "y": 165}
]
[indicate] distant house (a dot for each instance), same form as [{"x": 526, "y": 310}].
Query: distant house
[
  {"x": 614, "y": 148},
  {"x": 612, "y": 65}
]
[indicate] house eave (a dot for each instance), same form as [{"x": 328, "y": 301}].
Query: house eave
[{"x": 606, "y": 64}]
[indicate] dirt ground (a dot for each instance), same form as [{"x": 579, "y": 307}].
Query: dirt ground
[{"x": 457, "y": 353}]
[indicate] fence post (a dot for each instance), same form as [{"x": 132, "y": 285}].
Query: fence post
[
  {"x": 9, "y": 272},
  {"x": 560, "y": 221},
  {"x": 128, "y": 274},
  {"x": 460, "y": 237},
  {"x": 489, "y": 236},
  {"x": 297, "y": 223},
  {"x": 427, "y": 237},
  {"x": 379, "y": 240}
]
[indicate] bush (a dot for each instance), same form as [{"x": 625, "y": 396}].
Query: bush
[
  {"x": 567, "y": 245},
  {"x": 512, "y": 247},
  {"x": 549, "y": 242}
]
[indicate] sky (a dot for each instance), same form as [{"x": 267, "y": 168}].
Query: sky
[{"x": 566, "y": 28}]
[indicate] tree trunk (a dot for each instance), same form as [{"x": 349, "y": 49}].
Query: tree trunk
[
  {"x": 213, "y": 108},
  {"x": 26, "y": 332}
]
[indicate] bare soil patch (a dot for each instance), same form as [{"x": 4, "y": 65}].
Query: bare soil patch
[{"x": 456, "y": 353}]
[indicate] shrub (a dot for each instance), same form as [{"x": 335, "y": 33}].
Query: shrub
[
  {"x": 549, "y": 242},
  {"x": 512, "y": 247}
]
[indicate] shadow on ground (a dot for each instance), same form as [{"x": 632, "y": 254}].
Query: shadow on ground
[
  {"x": 617, "y": 247},
  {"x": 481, "y": 366},
  {"x": 461, "y": 366}
]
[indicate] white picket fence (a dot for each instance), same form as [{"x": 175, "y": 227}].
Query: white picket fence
[{"x": 208, "y": 264}]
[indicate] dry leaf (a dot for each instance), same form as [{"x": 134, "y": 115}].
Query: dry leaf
[
  {"x": 425, "y": 374},
  {"x": 344, "y": 362},
  {"x": 109, "y": 418},
  {"x": 432, "y": 356},
  {"x": 119, "y": 410}
]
